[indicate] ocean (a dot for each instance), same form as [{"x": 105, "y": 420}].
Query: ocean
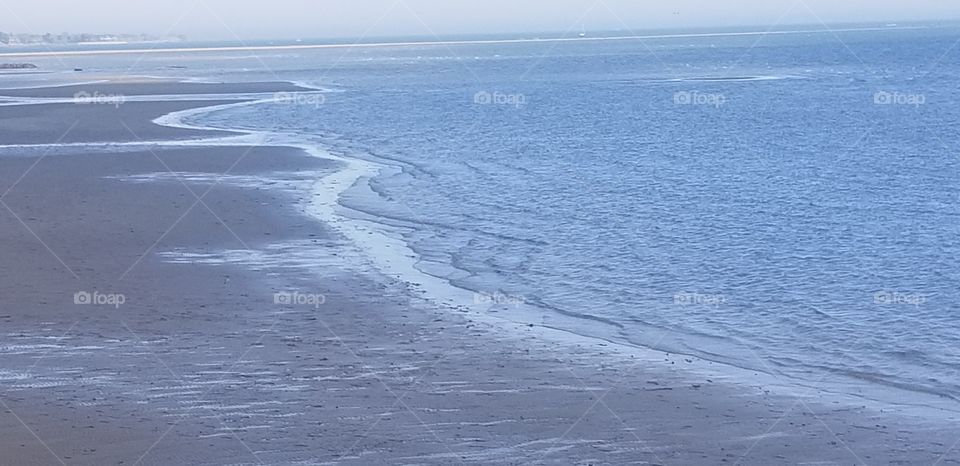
[{"x": 785, "y": 203}]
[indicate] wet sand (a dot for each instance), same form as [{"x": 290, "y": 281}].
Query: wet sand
[
  {"x": 201, "y": 365},
  {"x": 76, "y": 123},
  {"x": 139, "y": 87}
]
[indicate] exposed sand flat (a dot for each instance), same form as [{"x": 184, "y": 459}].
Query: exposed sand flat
[
  {"x": 72, "y": 394},
  {"x": 95, "y": 122},
  {"x": 151, "y": 87},
  {"x": 200, "y": 365}
]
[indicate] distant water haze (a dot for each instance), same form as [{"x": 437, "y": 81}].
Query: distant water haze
[{"x": 291, "y": 19}]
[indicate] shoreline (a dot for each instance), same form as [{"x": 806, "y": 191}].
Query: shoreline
[
  {"x": 244, "y": 48},
  {"x": 393, "y": 258},
  {"x": 547, "y": 352}
]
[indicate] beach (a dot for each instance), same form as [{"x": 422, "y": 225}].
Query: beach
[{"x": 177, "y": 303}]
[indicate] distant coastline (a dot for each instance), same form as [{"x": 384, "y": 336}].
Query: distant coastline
[
  {"x": 17, "y": 66},
  {"x": 307, "y": 46},
  {"x": 31, "y": 39}
]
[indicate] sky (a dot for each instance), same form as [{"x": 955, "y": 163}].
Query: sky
[{"x": 292, "y": 19}]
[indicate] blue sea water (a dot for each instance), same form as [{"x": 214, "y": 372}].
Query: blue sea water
[{"x": 785, "y": 203}]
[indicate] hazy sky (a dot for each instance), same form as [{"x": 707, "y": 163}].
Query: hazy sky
[{"x": 247, "y": 19}]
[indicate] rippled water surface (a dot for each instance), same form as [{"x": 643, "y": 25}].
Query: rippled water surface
[{"x": 785, "y": 203}]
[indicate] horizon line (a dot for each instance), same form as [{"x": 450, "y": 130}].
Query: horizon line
[{"x": 241, "y": 47}]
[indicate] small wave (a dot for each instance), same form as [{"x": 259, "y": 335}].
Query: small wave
[
  {"x": 396, "y": 220},
  {"x": 578, "y": 315},
  {"x": 711, "y": 79}
]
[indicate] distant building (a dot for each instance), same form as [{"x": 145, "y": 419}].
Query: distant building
[{"x": 67, "y": 38}]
